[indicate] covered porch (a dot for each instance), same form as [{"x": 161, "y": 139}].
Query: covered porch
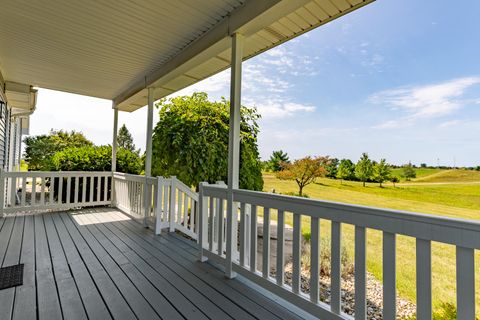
[{"x": 104, "y": 263}]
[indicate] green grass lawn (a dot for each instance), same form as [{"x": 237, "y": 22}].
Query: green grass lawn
[{"x": 461, "y": 199}]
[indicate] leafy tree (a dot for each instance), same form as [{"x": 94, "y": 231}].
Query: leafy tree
[
  {"x": 346, "y": 170},
  {"x": 304, "y": 171},
  {"x": 381, "y": 172},
  {"x": 394, "y": 180},
  {"x": 277, "y": 159},
  {"x": 332, "y": 168},
  {"x": 408, "y": 172},
  {"x": 40, "y": 149},
  {"x": 364, "y": 168},
  {"x": 191, "y": 141},
  {"x": 125, "y": 139}
]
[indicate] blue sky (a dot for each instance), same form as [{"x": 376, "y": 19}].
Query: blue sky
[{"x": 397, "y": 79}]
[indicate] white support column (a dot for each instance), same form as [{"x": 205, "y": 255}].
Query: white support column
[
  {"x": 114, "y": 152},
  {"x": 114, "y": 141},
  {"x": 234, "y": 148},
  {"x": 148, "y": 156},
  {"x": 148, "y": 149}
]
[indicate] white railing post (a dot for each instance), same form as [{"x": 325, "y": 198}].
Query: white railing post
[
  {"x": 158, "y": 206},
  {"x": 202, "y": 208},
  {"x": 147, "y": 201},
  {"x": 173, "y": 192},
  {"x": 234, "y": 149},
  {"x": 114, "y": 156},
  {"x": 2, "y": 195}
]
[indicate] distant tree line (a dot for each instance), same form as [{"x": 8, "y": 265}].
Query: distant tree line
[{"x": 304, "y": 171}]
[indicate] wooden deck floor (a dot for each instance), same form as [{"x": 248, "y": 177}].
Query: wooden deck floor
[{"x": 99, "y": 264}]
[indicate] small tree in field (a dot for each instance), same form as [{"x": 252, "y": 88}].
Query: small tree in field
[
  {"x": 381, "y": 172},
  {"x": 394, "y": 180},
  {"x": 332, "y": 168},
  {"x": 408, "y": 172},
  {"x": 304, "y": 171},
  {"x": 346, "y": 170},
  {"x": 364, "y": 168},
  {"x": 277, "y": 159}
]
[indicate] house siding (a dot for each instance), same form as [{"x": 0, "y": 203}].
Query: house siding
[{"x": 4, "y": 130}]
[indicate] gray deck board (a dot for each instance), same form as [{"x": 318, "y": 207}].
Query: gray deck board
[
  {"x": 134, "y": 298},
  {"x": 116, "y": 303},
  {"x": 72, "y": 306},
  {"x": 25, "y": 296},
  {"x": 47, "y": 294},
  {"x": 11, "y": 257},
  {"x": 156, "y": 300},
  {"x": 99, "y": 264},
  {"x": 91, "y": 298}
]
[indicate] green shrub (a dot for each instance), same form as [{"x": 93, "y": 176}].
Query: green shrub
[
  {"x": 94, "y": 158},
  {"x": 91, "y": 158}
]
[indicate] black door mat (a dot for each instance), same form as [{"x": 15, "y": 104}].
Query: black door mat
[{"x": 11, "y": 276}]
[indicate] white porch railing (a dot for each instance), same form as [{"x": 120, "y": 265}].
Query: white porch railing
[
  {"x": 53, "y": 190},
  {"x": 213, "y": 241},
  {"x": 167, "y": 202},
  {"x": 130, "y": 195},
  {"x": 158, "y": 202}
]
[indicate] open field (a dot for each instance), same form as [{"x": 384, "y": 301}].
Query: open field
[
  {"x": 460, "y": 198},
  {"x": 450, "y": 176},
  {"x": 421, "y": 172}
]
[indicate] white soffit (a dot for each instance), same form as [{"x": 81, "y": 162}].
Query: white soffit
[{"x": 115, "y": 49}]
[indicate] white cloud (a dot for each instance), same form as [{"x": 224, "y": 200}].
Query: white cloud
[
  {"x": 278, "y": 108},
  {"x": 286, "y": 61},
  {"x": 450, "y": 123},
  {"x": 263, "y": 85},
  {"x": 424, "y": 102},
  {"x": 217, "y": 84}
]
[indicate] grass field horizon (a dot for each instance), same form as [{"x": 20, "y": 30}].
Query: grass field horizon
[{"x": 444, "y": 192}]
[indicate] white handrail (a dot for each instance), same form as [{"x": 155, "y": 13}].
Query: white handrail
[{"x": 464, "y": 234}]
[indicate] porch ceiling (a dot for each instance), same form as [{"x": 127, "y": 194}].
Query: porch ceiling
[{"x": 115, "y": 49}]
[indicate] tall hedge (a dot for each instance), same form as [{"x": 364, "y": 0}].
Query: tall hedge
[
  {"x": 91, "y": 158},
  {"x": 96, "y": 158}
]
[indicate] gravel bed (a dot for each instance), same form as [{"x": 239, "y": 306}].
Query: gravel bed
[{"x": 405, "y": 308}]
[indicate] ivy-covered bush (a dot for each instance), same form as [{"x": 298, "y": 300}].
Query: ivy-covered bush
[{"x": 191, "y": 141}]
